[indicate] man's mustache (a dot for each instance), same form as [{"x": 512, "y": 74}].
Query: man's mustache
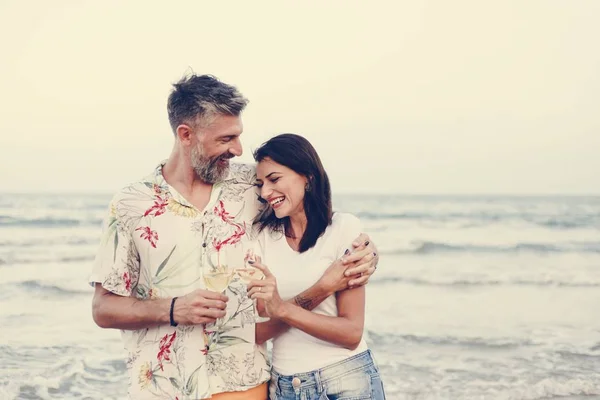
[{"x": 226, "y": 156}]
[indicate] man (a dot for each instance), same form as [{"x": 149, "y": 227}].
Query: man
[{"x": 159, "y": 234}]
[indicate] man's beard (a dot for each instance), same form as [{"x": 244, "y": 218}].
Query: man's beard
[{"x": 208, "y": 169}]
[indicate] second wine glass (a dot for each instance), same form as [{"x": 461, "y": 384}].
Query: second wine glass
[{"x": 248, "y": 273}]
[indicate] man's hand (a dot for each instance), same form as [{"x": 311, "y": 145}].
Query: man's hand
[
  {"x": 334, "y": 279},
  {"x": 199, "y": 307},
  {"x": 354, "y": 268},
  {"x": 361, "y": 262}
]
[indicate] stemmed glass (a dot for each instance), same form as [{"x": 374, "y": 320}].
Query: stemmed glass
[
  {"x": 249, "y": 273},
  {"x": 217, "y": 276}
]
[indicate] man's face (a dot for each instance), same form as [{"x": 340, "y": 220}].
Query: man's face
[{"x": 215, "y": 145}]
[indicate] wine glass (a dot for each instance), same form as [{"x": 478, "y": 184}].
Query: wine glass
[
  {"x": 249, "y": 273},
  {"x": 217, "y": 275}
]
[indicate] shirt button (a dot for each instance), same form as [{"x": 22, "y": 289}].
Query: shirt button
[{"x": 296, "y": 382}]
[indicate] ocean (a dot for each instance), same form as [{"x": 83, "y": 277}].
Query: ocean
[{"x": 475, "y": 297}]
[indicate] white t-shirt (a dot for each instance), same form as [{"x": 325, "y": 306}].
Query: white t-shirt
[{"x": 296, "y": 351}]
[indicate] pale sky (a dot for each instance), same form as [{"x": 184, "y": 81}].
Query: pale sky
[{"x": 400, "y": 96}]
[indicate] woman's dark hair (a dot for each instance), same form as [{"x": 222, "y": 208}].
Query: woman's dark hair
[{"x": 296, "y": 153}]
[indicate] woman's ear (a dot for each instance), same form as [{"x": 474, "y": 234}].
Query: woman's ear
[{"x": 309, "y": 184}]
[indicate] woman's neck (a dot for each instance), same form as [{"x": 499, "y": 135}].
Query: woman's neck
[{"x": 296, "y": 227}]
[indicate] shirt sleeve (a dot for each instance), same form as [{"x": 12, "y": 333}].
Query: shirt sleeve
[
  {"x": 116, "y": 265},
  {"x": 350, "y": 228}
]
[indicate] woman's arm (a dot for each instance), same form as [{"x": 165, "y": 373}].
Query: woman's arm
[
  {"x": 308, "y": 300},
  {"x": 353, "y": 269},
  {"x": 344, "y": 330},
  {"x": 334, "y": 280}
]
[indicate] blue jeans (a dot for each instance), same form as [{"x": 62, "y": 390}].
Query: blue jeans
[{"x": 354, "y": 378}]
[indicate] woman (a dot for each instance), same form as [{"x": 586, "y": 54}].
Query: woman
[{"x": 322, "y": 355}]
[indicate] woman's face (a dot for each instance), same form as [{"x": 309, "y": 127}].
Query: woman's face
[{"x": 281, "y": 187}]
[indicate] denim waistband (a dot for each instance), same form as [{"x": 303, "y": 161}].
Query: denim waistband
[{"x": 320, "y": 376}]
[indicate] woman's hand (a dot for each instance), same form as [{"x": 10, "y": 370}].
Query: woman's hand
[{"x": 266, "y": 293}]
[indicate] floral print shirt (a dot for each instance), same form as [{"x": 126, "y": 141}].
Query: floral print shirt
[{"x": 153, "y": 245}]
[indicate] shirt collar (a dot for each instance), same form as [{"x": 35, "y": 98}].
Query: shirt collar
[{"x": 161, "y": 185}]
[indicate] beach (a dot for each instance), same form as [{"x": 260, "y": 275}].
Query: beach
[{"x": 475, "y": 297}]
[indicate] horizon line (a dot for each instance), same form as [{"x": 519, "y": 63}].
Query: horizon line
[{"x": 341, "y": 192}]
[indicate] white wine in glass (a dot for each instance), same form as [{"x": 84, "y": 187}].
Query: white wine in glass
[
  {"x": 218, "y": 279},
  {"x": 218, "y": 275},
  {"x": 248, "y": 272}
]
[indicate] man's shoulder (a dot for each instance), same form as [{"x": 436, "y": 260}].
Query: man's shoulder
[
  {"x": 240, "y": 180},
  {"x": 240, "y": 187},
  {"x": 243, "y": 172},
  {"x": 140, "y": 190}
]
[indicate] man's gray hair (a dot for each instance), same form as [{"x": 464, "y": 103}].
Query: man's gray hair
[{"x": 197, "y": 98}]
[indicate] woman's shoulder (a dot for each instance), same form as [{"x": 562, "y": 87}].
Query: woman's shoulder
[
  {"x": 345, "y": 228},
  {"x": 343, "y": 220}
]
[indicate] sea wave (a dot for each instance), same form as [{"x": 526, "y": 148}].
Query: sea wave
[
  {"x": 47, "y": 289},
  {"x": 555, "y": 388},
  {"x": 60, "y": 373},
  {"x": 429, "y": 247},
  {"x": 49, "y": 241},
  {"x": 47, "y": 222},
  {"x": 10, "y": 260},
  {"x": 471, "y": 219},
  {"x": 579, "y": 356},
  {"x": 487, "y": 282},
  {"x": 379, "y": 339}
]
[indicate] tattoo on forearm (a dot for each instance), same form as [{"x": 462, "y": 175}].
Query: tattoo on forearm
[{"x": 304, "y": 302}]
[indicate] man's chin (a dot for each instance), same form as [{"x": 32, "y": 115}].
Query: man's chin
[
  {"x": 221, "y": 173},
  {"x": 214, "y": 176}
]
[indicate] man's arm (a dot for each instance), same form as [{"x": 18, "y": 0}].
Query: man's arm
[{"x": 122, "y": 312}]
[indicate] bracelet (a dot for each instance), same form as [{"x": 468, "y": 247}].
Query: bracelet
[{"x": 173, "y": 323}]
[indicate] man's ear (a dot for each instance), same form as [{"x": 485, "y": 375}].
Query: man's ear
[{"x": 184, "y": 134}]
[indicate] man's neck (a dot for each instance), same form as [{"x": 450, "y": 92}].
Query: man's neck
[{"x": 179, "y": 173}]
